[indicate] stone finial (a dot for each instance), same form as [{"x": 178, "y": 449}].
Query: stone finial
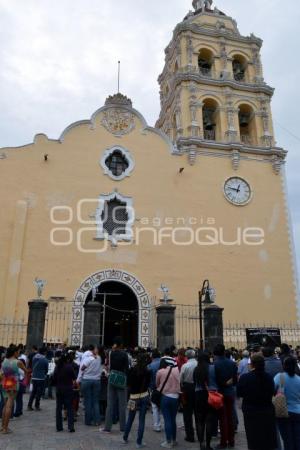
[
  {"x": 192, "y": 156},
  {"x": 276, "y": 163},
  {"x": 118, "y": 99},
  {"x": 235, "y": 159},
  {"x": 202, "y": 4}
]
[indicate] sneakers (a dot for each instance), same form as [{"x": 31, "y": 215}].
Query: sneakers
[
  {"x": 30, "y": 408},
  {"x": 166, "y": 444},
  {"x": 157, "y": 429},
  {"x": 143, "y": 445},
  {"x": 103, "y": 430}
]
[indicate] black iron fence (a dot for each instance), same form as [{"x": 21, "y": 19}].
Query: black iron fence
[
  {"x": 187, "y": 330},
  {"x": 58, "y": 321},
  {"x": 12, "y": 331}
]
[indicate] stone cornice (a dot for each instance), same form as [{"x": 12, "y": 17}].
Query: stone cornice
[
  {"x": 198, "y": 29},
  {"x": 184, "y": 143},
  {"x": 198, "y": 78},
  {"x": 247, "y": 87}
]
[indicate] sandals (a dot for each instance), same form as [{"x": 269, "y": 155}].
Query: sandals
[{"x": 8, "y": 431}]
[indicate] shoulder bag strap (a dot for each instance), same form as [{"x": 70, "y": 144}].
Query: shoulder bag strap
[
  {"x": 166, "y": 380},
  {"x": 282, "y": 380}
]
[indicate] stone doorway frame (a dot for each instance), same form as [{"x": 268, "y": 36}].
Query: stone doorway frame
[{"x": 97, "y": 278}]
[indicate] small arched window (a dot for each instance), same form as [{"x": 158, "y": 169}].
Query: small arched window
[
  {"x": 239, "y": 67},
  {"x": 205, "y": 62},
  {"x": 247, "y": 125}
]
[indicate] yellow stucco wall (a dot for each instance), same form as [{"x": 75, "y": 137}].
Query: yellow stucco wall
[{"x": 253, "y": 283}]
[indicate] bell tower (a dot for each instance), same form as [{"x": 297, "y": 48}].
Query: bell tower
[
  {"x": 216, "y": 109},
  {"x": 212, "y": 90}
]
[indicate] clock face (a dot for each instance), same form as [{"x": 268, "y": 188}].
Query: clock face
[{"x": 237, "y": 191}]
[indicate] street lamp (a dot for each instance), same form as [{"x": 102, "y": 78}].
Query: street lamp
[{"x": 206, "y": 298}]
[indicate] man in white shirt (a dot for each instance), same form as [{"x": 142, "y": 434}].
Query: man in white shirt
[{"x": 188, "y": 389}]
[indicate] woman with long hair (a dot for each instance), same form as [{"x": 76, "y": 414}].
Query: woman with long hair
[
  {"x": 10, "y": 384},
  {"x": 138, "y": 382},
  {"x": 257, "y": 389},
  {"x": 289, "y": 381},
  {"x": 206, "y": 416},
  {"x": 64, "y": 378}
]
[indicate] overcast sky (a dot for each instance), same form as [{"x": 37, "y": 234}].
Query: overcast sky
[{"x": 58, "y": 63}]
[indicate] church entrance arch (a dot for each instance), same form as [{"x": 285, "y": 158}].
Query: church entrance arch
[{"x": 133, "y": 304}]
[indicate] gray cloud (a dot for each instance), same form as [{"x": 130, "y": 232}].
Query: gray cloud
[{"x": 59, "y": 63}]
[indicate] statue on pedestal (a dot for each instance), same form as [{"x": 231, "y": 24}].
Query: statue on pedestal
[{"x": 40, "y": 284}]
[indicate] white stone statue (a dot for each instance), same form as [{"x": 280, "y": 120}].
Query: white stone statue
[
  {"x": 94, "y": 293},
  {"x": 165, "y": 290},
  {"x": 202, "y": 4},
  {"x": 40, "y": 284}
]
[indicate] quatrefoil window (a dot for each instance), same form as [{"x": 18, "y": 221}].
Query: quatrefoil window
[{"x": 117, "y": 163}]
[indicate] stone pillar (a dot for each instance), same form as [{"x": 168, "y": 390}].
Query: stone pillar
[
  {"x": 213, "y": 326},
  {"x": 165, "y": 326},
  {"x": 36, "y": 323},
  {"x": 92, "y": 323}
]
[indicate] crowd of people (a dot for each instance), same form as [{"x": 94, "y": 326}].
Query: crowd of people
[{"x": 116, "y": 384}]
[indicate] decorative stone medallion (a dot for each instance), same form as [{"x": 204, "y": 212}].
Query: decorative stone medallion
[{"x": 118, "y": 121}]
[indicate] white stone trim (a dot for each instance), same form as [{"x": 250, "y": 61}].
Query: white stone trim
[
  {"x": 127, "y": 156},
  {"x": 95, "y": 280},
  {"x": 101, "y": 234},
  {"x": 291, "y": 240}
]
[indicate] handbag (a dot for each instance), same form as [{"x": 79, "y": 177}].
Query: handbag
[
  {"x": 279, "y": 401},
  {"x": 117, "y": 379},
  {"x": 215, "y": 400},
  {"x": 157, "y": 394}
]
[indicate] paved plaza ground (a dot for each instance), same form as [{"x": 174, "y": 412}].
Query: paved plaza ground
[{"x": 36, "y": 431}]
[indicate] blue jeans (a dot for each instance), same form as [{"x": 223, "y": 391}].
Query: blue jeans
[
  {"x": 169, "y": 408},
  {"x": 290, "y": 431},
  {"x": 91, "y": 393},
  {"x": 38, "y": 387},
  {"x": 142, "y": 404},
  {"x": 19, "y": 401}
]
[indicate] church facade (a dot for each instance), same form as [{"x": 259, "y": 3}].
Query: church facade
[{"x": 114, "y": 208}]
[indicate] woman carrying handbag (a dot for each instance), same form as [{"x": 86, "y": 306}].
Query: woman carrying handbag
[
  {"x": 168, "y": 382},
  {"x": 208, "y": 400},
  {"x": 288, "y": 397}
]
